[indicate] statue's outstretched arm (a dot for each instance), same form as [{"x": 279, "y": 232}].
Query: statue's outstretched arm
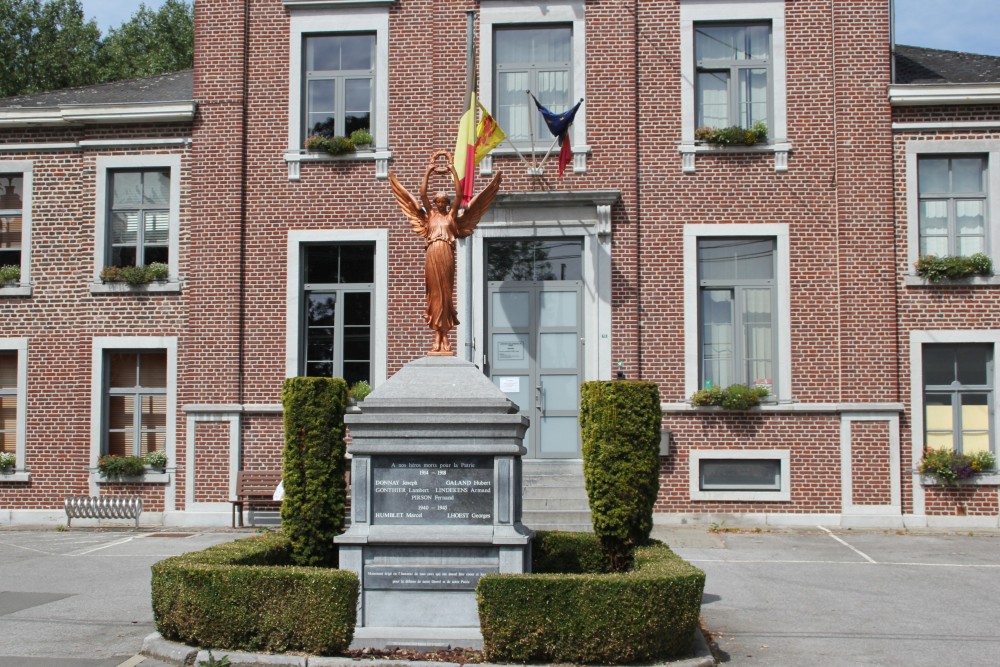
[{"x": 423, "y": 187}]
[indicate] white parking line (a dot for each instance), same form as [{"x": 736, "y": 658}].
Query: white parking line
[
  {"x": 857, "y": 551},
  {"x": 103, "y": 546},
  {"x": 133, "y": 661}
]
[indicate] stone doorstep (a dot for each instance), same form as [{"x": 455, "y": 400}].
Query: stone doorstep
[{"x": 155, "y": 646}]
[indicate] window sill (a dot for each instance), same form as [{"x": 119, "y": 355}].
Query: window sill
[
  {"x": 160, "y": 287},
  {"x": 744, "y": 496},
  {"x": 912, "y": 280},
  {"x": 15, "y": 290},
  {"x": 983, "y": 479},
  {"x": 15, "y": 476},
  {"x": 786, "y": 406},
  {"x": 380, "y": 156},
  {"x": 148, "y": 478},
  {"x": 689, "y": 150}
]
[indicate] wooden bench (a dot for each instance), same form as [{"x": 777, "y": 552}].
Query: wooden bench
[
  {"x": 103, "y": 507},
  {"x": 255, "y": 490}
]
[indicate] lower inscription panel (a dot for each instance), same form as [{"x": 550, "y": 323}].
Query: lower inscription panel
[{"x": 430, "y": 577}]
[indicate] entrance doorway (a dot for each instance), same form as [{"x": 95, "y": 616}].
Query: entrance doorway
[{"x": 534, "y": 333}]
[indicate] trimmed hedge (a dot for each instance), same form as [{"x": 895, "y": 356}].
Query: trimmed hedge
[
  {"x": 620, "y": 429},
  {"x": 244, "y": 595},
  {"x": 649, "y": 613},
  {"x": 312, "y": 513}
]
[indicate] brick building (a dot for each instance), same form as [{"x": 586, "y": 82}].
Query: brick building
[{"x": 786, "y": 264}]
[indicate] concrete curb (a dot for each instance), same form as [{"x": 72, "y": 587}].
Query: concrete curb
[{"x": 155, "y": 646}]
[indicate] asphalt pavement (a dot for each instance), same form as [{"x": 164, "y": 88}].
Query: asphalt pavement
[
  {"x": 843, "y": 598},
  {"x": 781, "y": 598}
]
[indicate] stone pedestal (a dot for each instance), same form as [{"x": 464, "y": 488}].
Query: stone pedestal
[{"x": 436, "y": 502}]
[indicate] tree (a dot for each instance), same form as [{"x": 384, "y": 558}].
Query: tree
[
  {"x": 620, "y": 429},
  {"x": 313, "y": 467},
  {"x": 46, "y": 45},
  {"x": 151, "y": 42}
]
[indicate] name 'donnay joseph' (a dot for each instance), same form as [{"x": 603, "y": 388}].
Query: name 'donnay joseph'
[{"x": 432, "y": 490}]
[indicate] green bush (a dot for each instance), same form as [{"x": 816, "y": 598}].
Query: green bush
[
  {"x": 244, "y": 595},
  {"x": 331, "y": 145},
  {"x": 732, "y": 136},
  {"x": 620, "y": 427},
  {"x": 362, "y": 137},
  {"x": 135, "y": 275},
  {"x": 950, "y": 467},
  {"x": 112, "y": 466},
  {"x": 734, "y": 397},
  {"x": 10, "y": 273},
  {"x": 557, "y": 552},
  {"x": 647, "y": 614},
  {"x": 156, "y": 459},
  {"x": 953, "y": 267},
  {"x": 312, "y": 513},
  {"x": 359, "y": 390}
]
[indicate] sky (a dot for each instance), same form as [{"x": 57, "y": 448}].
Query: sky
[{"x": 955, "y": 25}]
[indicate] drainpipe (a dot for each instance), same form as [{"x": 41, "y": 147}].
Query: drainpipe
[
  {"x": 244, "y": 121},
  {"x": 638, "y": 199}
]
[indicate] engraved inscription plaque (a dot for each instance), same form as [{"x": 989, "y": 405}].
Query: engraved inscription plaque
[
  {"x": 430, "y": 577},
  {"x": 440, "y": 490}
]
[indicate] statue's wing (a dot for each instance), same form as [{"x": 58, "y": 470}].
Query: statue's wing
[
  {"x": 411, "y": 209},
  {"x": 481, "y": 203}
]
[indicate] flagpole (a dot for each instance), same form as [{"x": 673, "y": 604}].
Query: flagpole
[
  {"x": 470, "y": 86},
  {"x": 531, "y": 131},
  {"x": 549, "y": 152}
]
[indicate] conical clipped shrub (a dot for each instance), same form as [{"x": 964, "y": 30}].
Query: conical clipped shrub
[
  {"x": 315, "y": 491},
  {"x": 620, "y": 424}
]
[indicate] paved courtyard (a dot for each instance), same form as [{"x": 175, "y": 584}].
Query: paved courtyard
[
  {"x": 808, "y": 597},
  {"x": 823, "y": 598}
]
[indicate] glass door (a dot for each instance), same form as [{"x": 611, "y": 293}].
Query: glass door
[{"x": 535, "y": 350}]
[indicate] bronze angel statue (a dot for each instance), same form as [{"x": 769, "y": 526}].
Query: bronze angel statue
[{"x": 440, "y": 221}]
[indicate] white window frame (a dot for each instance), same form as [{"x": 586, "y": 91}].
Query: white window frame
[
  {"x": 509, "y": 13},
  {"x": 914, "y": 151},
  {"x": 782, "y": 306},
  {"x": 20, "y": 347},
  {"x": 734, "y": 11},
  {"x": 101, "y": 346},
  {"x": 917, "y": 341},
  {"x": 26, "y": 169},
  {"x": 106, "y": 165},
  {"x": 696, "y": 456},
  {"x": 380, "y": 299},
  {"x": 330, "y": 21}
]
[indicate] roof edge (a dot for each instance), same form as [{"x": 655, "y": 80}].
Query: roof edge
[
  {"x": 95, "y": 114},
  {"x": 927, "y": 94}
]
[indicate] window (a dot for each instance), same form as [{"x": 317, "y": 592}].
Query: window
[
  {"x": 539, "y": 59},
  {"x": 339, "y": 72},
  {"x": 733, "y": 72},
  {"x": 740, "y": 474},
  {"x": 539, "y": 47},
  {"x": 951, "y": 201},
  {"x": 13, "y": 402},
  {"x": 135, "y": 402},
  {"x": 139, "y": 217},
  {"x": 11, "y": 205},
  {"x": 733, "y": 65},
  {"x": 339, "y": 80},
  {"x": 958, "y": 396},
  {"x": 952, "y": 205},
  {"x": 8, "y": 401},
  {"x": 338, "y": 286},
  {"x": 736, "y": 278},
  {"x": 15, "y": 224}
]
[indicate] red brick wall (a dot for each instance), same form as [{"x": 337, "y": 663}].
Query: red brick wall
[{"x": 870, "y": 472}]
